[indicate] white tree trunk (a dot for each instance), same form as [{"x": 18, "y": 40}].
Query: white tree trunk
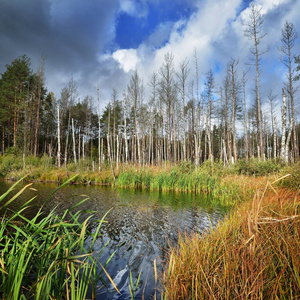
[
  {"x": 274, "y": 139},
  {"x": 288, "y": 141},
  {"x": 74, "y": 145},
  {"x": 283, "y": 117},
  {"x": 99, "y": 132},
  {"x": 125, "y": 127},
  {"x": 58, "y": 138}
]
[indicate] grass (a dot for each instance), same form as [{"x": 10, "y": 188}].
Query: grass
[
  {"x": 46, "y": 257},
  {"x": 209, "y": 179},
  {"x": 253, "y": 254}
]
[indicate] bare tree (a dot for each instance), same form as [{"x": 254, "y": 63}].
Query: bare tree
[
  {"x": 285, "y": 140},
  {"x": 168, "y": 94},
  {"x": 154, "y": 112},
  {"x": 253, "y": 32},
  {"x": 125, "y": 125},
  {"x": 99, "y": 131},
  {"x": 272, "y": 103},
  {"x": 209, "y": 88},
  {"x": 182, "y": 77},
  {"x": 289, "y": 36},
  {"x": 58, "y": 137},
  {"x": 232, "y": 73},
  {"x": 134, "y": 94},
  {"x": 74, "y": 144},
  {"x": 245, "y": 117}
]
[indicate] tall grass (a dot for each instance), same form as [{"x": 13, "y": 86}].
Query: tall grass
[
  {"x": 46, "y": 257},
  {"x": 254, "y": 254},
  {"x": 209, "y": 180}
]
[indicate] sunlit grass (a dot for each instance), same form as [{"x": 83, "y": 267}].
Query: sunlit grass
[{"x": 253, "y": 254}]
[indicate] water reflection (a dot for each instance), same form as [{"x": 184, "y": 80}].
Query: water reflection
[{"x": 140, "y": 227}]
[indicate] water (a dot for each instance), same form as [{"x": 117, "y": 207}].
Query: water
[{"x": 140, "y": 227}]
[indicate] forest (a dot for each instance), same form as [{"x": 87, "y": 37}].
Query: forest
[{"x": 175, "y": 122}]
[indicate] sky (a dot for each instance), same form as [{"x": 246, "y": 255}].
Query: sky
[{"x": 102, "y": 42}]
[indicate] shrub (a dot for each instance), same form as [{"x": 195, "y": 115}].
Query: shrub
[{"x": 256, "y": 167}]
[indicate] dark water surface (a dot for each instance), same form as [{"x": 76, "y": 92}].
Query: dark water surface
[{"x": 140, "y": 227}]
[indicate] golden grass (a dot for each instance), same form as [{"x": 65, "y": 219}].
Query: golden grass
[{"x": 253, "y": 254}]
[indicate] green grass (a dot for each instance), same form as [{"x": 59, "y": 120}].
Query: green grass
[
  {"x": 207, "y": 180},
  {"x": 46, "y": 257}
]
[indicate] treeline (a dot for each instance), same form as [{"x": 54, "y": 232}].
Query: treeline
[{"x": 175, "y": 122}]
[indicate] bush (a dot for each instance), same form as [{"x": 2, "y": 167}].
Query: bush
[
  {"x": 292, "y": 181},
  {"x": 256, "y": 167}
]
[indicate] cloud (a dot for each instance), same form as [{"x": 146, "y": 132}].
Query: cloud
[
  {"x": 78, "y": 39},
  {"x": 69, "y": 33},
  {"x": 127, "y": 58},
  {"x": 200, "y": 31},
  {"x": 127, "y": 6}
]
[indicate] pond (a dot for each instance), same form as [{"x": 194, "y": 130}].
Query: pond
[{"x": 140, "y": 227}]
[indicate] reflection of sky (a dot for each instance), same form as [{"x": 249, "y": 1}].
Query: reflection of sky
[{"x": 139, "y": 228}]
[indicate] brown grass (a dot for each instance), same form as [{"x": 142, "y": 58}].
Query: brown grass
[{"x": 253, "y": 254}]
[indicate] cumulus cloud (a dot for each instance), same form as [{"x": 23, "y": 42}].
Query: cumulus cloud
[
  {"x": 77, "y": 38},
  {"x": 127, "y": 6},
  {"x": 127, "y": 58}
]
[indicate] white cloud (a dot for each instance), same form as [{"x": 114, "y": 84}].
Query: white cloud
[
  {"x": 127, "y": 6},
  {"x": 200, "y": 31},
  {"x": 127, "y": 58}
]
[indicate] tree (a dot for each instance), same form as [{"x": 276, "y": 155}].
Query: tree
[
  {"x": 40, "y": 93},
  {"x": 285, "y": 140},
  {"x": 253, "y": 32},
  {"x": 209, "y": 89},
  {"x": 182, "y": 78},
  {"x": 245, "y": 116},
  {"x": 14, "y": 92},
  {"x": 234, "y": 89},
  {"x": 297, "y": 61},
  {"x": 168, "y": 94},
  {"x": 134, "y": 90},
  {"x": 289, "y": 36},
  {"x": 272, "y": 103}
]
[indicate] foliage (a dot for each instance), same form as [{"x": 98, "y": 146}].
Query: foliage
[
  {"x": 46, "y": 256},
  {"x": 256, "y": 167},
  {"x": 292, "y": 181}
]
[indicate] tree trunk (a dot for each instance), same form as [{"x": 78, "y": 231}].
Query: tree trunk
[
  {"x": 74, "y": 144},
  {"x": 58, "y": 137}
]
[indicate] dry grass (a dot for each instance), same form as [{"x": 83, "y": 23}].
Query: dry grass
[{"x": 253, "y": 254}]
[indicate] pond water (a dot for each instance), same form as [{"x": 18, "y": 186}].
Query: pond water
[{"x": 140, "y": 227}]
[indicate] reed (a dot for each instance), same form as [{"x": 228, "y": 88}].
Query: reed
[
  {"x": 46, "y": 257},
  {"x": 253, "y": 254}
]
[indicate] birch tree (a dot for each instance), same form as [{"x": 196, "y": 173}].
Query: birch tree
[
  {"x": 209, "y": 88},
  {"x": 125, "y": 125},
  {"x": 272, "y": 103},
  {"x": 285, "y": 140},
  {"x": 289, "y": 36},
  {"x": 182, "y": 78},
  {"x": 58, "y": 137},
  {"x": 168, "y": 95},
  {"x": 253, "y": 31}
]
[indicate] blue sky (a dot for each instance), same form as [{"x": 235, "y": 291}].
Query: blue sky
[
  {"x": 101, "y": 42},
  {"x": 152, "y": 15}
]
